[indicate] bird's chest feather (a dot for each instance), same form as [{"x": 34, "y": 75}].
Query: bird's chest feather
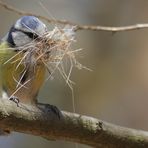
[{"x": 22, "y": 79}]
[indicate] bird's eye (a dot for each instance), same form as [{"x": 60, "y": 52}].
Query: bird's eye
[{"x": 31, "y": 35}]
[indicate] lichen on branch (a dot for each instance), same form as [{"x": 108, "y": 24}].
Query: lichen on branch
[{"x": 70, "y": 127}]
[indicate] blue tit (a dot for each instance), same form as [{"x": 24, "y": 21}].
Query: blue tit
[{"x": 19, "y": 80}]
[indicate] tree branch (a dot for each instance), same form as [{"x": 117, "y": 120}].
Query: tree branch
[
  {"x": 71, "y": 127},
  {"x": 78, "y": 27}
]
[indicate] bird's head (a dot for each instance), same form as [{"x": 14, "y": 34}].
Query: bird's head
[{"x": 25, "y": 30}]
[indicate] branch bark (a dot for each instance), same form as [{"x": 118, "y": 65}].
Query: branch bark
[
  {"x": 71, "y": 127},
  {"x": 78, "y": 27}
]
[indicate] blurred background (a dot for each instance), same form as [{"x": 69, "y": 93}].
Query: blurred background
[{"x": 117, "y": 88}]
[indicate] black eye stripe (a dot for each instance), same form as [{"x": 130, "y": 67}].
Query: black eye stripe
[
  {"x": 29, "y": 34},
  {"x": 10, "y": 38},
  {"x": 13, "y": 29}
]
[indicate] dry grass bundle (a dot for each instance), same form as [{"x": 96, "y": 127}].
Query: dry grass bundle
[{"x": 52, "y": 49}]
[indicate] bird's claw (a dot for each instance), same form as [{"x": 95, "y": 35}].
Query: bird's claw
[
  {"x": 47, "y": 108},
  {"x": 15, "y": 100}
]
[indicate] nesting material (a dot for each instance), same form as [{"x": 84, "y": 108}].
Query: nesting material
[{"x": 54, "y": 50}]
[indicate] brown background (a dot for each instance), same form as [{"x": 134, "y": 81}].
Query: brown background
[{"x": 117, "y": 88}]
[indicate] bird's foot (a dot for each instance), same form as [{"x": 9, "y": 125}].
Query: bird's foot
[
  {"x": 15, "y": 100},
  {"x": 47, "y": 108}
]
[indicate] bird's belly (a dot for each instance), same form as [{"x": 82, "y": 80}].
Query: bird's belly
[{"x": 21, "y": 83}]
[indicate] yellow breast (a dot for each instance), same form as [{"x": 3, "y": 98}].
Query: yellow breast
[{"x": 19, "y": 79}]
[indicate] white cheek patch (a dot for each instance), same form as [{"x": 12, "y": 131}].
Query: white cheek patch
[{"x": 20, "y": 38}]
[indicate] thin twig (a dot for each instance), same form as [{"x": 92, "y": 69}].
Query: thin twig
[
  {"x": 78, "y": 27},
  {"x": 112, "y": 29},
  {"x": 20, "y": 12}
]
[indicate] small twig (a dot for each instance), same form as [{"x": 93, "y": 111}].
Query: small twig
[
  {"x": 112, "y": 29},
  {"x": 78, "y": 27},
  {"x": 20, "y": 12}
]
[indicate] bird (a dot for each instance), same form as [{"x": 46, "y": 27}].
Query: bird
[{"x": 21, "y": 81}]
